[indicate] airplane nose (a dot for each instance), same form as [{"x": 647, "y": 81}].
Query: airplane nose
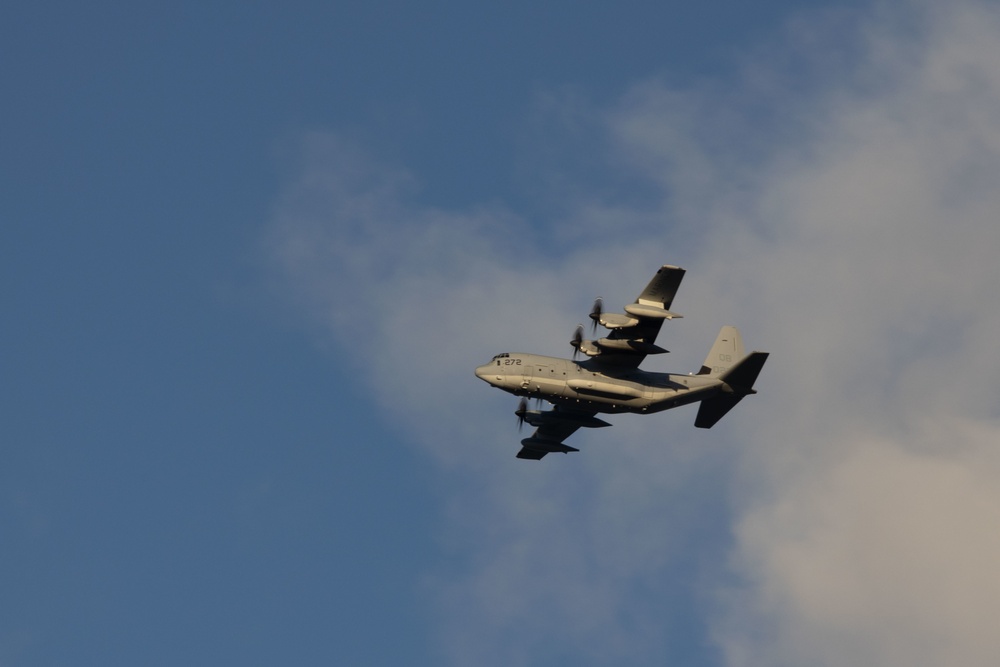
[{"x": 486, "y": 373}]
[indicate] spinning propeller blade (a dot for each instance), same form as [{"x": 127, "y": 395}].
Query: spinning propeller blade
[
  {"x": 596, "y": 312},
  {"x": 522, "y": 407},
  {"x": 577, "y": 340}
]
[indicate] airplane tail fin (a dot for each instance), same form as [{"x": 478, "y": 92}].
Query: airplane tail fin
[
  {"x": 739, "y": 381},
  {"x": 725, "y": 353}
]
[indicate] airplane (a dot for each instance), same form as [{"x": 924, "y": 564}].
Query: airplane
[{"x": 610, "y": 381}]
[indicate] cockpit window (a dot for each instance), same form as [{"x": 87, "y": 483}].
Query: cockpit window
[{"x": 503, "y": 355}]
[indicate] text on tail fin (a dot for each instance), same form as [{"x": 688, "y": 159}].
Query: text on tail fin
[{"x": 726, "y": 352}]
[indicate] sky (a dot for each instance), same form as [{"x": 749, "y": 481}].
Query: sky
[{"x": 251, "y": 255}]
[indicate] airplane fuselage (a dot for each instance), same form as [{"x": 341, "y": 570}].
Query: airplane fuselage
[{"x": 592, "y": 386}]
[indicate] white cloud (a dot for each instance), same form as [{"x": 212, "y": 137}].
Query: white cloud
[
  {"x": 886, "y": 557},
  {"x": 856, "y": 244}
]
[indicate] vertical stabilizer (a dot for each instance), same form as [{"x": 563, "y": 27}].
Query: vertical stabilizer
[{"x": 725, "y": 353}]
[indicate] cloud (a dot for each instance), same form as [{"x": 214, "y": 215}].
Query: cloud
[
  {"x": 886, "y": 557},
  {"x": 847, "y": 514}
]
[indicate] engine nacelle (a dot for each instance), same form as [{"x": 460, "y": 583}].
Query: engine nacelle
[
  {"x": 654, "y": 312},
  {"x": 629, "y": 346},
  {"x": 616, "y": 321}
]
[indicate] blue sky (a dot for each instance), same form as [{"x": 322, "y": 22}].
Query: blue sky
[{"x": 251, "y": 255}]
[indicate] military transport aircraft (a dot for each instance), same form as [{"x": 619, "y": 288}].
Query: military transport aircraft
[{"x": 610, "y": 380}]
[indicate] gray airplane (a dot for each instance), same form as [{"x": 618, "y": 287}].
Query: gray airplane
[{"x": 610, "y": 380}]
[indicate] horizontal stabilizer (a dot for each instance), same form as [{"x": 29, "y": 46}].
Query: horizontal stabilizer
[
  {"x": 712, "y": 410},
  {"x": 739, "y": 379},
  {"x": 742, "y": 376}
]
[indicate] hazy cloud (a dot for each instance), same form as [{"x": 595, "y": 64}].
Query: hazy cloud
[{"x": 846, "y": 515}]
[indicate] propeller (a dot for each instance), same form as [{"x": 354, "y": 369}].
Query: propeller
[
  {"x": 595, "y": 313},
  {"x": 577, "y": 340},
  {"x": 522, "y": 408}
]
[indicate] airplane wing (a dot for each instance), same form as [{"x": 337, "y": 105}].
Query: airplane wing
[
  {"x": 633, "y": 334},
  {"x": 555, "y": 426}
]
